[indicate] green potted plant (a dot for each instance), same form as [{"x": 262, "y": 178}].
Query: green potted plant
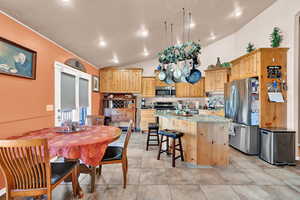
[
  {"x": 250, "y": 47},
  {"x": 276, "y": 37}
]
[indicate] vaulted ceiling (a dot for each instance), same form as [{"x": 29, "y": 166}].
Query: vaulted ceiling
[{"x": 119, "y": 32}]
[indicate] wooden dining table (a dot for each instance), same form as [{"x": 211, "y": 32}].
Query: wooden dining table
[{"x": 87, "y": 145}]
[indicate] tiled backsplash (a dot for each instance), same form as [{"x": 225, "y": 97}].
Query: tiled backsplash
[{"x": 196, "y": 101}]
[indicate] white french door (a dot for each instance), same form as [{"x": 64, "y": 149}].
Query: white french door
[{"x": 68, "y": 95}]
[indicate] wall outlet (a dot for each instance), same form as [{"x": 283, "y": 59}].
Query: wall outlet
[{"x": 49, "y": 108}]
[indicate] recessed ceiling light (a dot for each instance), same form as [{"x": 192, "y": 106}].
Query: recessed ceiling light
[
  {"x": 143, "y": 32},
  {"x": 212, "y": 36},
  {"x": 102, "y": 43},
  {"x": 115, "y": 59},
  {"x": 146, "y": 52},
  {"x": 66, "y": 1},
  {"x": 192, "y": 24},
  {"x": 238, "y": 13}
]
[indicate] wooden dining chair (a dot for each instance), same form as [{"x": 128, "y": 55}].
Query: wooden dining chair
[
  {"x": 27, "y": 169},
  {"x": 117, "y": 155},
  {"x": 95, "y": 120}
]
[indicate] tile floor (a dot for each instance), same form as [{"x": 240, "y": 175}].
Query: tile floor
[{"x": 246, "y": 178}]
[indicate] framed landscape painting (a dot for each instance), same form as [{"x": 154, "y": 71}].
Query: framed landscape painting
[
  {"x": 95, "y": 84},
  {"x": 17, "y": 60}
]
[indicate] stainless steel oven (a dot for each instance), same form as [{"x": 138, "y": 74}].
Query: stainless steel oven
[{"x": 165, "y": 91}]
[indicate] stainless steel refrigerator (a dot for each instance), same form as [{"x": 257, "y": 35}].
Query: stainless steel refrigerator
[{"x": 242, "y": 106}]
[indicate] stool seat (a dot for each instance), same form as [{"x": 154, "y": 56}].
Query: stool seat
[
  {"x": 153, "y": 125},
  {"x": 171, "y": 133}
]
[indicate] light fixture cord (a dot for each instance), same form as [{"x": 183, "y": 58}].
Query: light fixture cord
[
  {"x": 172, "y": 39},
  {"x": 183, "y": 25},
  {"x": 190, "y": 21},
  {"x": 166, "y": 33}
]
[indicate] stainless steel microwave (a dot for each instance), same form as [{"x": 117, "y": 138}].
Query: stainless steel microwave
[{"x": 165, "y": 91}]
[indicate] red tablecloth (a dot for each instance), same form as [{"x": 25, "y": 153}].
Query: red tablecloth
[{"x": 88, "y": 145}]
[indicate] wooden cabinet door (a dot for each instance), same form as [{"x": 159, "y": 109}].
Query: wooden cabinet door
[
  {"x": 201, "y": 87},
  {"x": 182, "y": 90},
  {"x": 121, "y": 81},
  {"x": 105, "y": 81},
  {"x": 147, "y": 116},
  {"x": 235, "y": 71},
  {"x": 255, "y": 58},
  {"x": 198, "y": 89},
  {"x": 135, "y": 81},
  {"x": 191, "y": 90},
  {"x": 148, "y": 86},
  {"x": 220, "y": 80},
  {"x": 209, "y": 81},
  {"x": 116, "y": 85}
]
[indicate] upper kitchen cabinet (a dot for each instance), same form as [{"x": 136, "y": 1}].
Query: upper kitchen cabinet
[
  {"x": 114, "y": 80},
  {"x": 148, "y": 86},
  {"x": 246, "y": 66},
  {"x": 215, "y": 79},
  {"x": 191, "y": 90}
]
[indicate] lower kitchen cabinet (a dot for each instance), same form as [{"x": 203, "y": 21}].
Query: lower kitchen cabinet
[
  {"x": 147, "y": 116},
  {"x": 191, "y": 90}
]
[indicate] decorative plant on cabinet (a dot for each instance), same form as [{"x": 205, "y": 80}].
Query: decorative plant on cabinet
[
  {"x": 250, "y": 47},
  {"x": 276, "y": 37}
]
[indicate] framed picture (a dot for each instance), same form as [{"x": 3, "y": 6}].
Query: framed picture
[
  {"x": 16, "y": 60},
  {"x": 95, "y": 84}
]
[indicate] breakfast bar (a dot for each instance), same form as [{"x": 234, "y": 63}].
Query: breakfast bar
[{"x": 205, "y": 140}]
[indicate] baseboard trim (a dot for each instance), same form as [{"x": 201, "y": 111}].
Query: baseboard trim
[{"x": 2, "y": 192}]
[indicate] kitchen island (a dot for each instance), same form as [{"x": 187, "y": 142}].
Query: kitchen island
[{"x": 205, "y": 140}]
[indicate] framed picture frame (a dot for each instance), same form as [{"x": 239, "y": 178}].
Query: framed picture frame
[
  {"x": 95, "y": 83},
  {"x": 17, "y": 60}
]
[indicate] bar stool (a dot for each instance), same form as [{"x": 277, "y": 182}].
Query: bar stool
[
  {"x": 152, "y": 135},
  {"x": 175, "y": 135}
]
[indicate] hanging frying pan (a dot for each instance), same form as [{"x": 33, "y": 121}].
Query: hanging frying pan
[
  {"x": 195, "y": 74},
  {"x": 162, "y": 74}
]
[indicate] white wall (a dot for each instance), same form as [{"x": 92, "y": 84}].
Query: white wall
[
  {"x": 224, "y": 48},
  {"x": 148, "y": 66}
]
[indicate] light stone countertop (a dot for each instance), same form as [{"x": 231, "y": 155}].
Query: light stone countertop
[{"x": 194, "y": 118}]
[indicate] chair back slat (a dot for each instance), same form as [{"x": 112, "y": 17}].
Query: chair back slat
[
  {"x": 128, "y": 135},
  {"x": 25, "y": 163}
]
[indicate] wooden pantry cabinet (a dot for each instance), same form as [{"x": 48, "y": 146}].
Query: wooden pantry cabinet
[
  {"x": 215, "y": 79},
  {"x": 191, "y": 90},
  {"x": 114, "y": 80},
  {"x": 148, "y": 86},
  {"x": 256, "y": 64}
]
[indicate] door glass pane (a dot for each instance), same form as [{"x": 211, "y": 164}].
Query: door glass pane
[
  {"x": 83, "y": 92},
  {"x": 67, "y": 92}
]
